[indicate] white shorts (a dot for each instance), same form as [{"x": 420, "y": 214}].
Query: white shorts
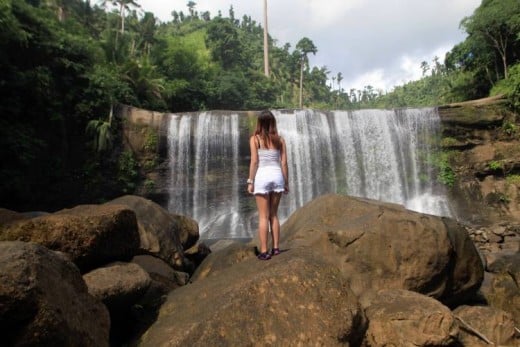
[{"x": 269, "y": 179}]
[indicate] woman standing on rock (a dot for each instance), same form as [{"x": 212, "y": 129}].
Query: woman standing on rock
[{"x": 268, "y": 179}]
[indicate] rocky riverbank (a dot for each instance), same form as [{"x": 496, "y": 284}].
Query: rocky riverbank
[{"x": 353, "y": 272}]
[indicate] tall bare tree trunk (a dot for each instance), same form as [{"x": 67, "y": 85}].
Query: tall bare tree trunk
[
  {"x": 301, "y": 84},
  {"x": 266, "y": 42},
  {"x": 122, "y": 14}
]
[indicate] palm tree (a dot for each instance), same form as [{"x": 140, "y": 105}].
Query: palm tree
[
  {"x": 339, "y": 78},
  {"x": 123, "y": 5},
  {"x": 304, "y": 46},
  {"x": 191, "y": 8}
]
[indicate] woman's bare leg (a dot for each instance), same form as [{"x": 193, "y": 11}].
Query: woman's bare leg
[
  {"x": 262, "y": 203},
  {"x": 274, "y": 222}
]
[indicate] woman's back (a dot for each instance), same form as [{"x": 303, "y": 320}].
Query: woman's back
[{"x": 268, "y": 157}]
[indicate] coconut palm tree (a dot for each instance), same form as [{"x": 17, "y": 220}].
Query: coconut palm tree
[
  {"x": 123, "y": 5},
  {"x": 304, "y": 47}
]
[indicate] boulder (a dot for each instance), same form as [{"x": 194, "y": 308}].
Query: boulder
[
  {"x": 495, "y": 325},
  {"x": 158, "y": 267},
  {"x": 503, "y": 290},
  {"x": 293, "y": 299},
  {"x": 133, "y": 293},
  {"x": 409, "y": 319},
  {"x": 8, "y": 216},
  {"x": 189, "y": 230},
  {"x": 118, "y": 285},
  {"x": 197, "y": 253},
  {"x": 381, "y": 246},
  {"x": 161, "y": 234},
  {"x": 91, "y": 235},
  {"x": 45, "y": 302},
  {"x": 223, "y": 258}
]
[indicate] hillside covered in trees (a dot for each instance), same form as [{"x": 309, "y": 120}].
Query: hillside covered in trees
[{"x": 65, "y": 65}]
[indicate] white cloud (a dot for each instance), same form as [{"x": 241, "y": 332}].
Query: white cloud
[{"x": 324, "y": 15}]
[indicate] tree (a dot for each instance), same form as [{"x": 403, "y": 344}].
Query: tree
[
  {"x": 304, "y": 47},
  {"x": 191, "y": 8},
  {"x": 147, "y": 30},
  {"x": 497, "y": 22},
  {"x": 224, "y": 42},
  {"x": 339, "y": 78},
  {"x": 123, "y": 5},
  {"x": 424, "y": 67},
  {"x": 266, "y": 42}
]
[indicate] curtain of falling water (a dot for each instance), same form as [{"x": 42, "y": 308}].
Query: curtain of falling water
[{"x": 378, "y": 154}]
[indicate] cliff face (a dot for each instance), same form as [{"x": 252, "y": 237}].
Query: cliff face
[{"x": 481, "y": 139}]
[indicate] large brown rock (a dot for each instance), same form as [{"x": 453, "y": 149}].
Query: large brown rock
[
  {"x": 119, "y": 285},
  {"x": 220, "y": 260},
  {"x": 408, "y": 319},
  {"x": 91, "y": 235},
  {"x": 44, "y": 301},
  {"x": 158, "y": 267},
  {"x": 503, "y": 291},
  {"x": 379, "y": 245},
  {"x": 293, "y": 299},
  {"x": 161, "y": 234},
  {"x": 9, "y": 216},
  {"x": 495, "y": 325}
]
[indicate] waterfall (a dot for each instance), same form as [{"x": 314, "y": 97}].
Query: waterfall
[{"x": 378, "y": 154}]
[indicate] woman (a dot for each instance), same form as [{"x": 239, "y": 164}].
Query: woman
[{"x": 268, "y": 179}]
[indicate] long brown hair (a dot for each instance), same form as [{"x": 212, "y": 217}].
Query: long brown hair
[{"x": 266, "y": 129}]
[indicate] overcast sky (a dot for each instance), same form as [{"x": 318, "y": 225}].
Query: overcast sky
[{"x": 371, "y": 42}]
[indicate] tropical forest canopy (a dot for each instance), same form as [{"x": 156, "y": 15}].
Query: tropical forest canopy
[{"x": 65, "y": 65}]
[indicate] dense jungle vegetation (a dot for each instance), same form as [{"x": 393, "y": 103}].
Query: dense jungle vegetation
[{"x": 65, "y": 65}]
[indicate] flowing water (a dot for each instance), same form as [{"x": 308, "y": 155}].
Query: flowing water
[{"x": 379, "y": 154}]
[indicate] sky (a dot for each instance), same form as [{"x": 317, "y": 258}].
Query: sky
[{"x": 380, "y": 43}]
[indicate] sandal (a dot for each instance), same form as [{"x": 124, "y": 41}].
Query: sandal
[
  {"x": 264, "y": 256},
  {"x": 275, "y": 251}
]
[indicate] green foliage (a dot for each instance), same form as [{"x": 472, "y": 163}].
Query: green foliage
[
  {"x": 224, "y": 42},
  {"x": 495, "y": 24},
  {"x": 511, "y": 129},
  {"x": 149, "y": 185},
  {"x": 448, "y": 141},
  {"x": 513, "y": 179},
  {"x": 510, "y": 86},
  {"x": 150, "y": 164},
  {"x": 128, "y": 172},
  {"x": 445, "y": 173},
  {"x": 151, "y": 140},
  {"x": 495, "y": 165},
  {"x": 101, "y": 135}
]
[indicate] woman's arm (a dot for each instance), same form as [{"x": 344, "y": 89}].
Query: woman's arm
[
  {"x": 253, "y": 165},
  {"x": 283, "y": 162}
]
